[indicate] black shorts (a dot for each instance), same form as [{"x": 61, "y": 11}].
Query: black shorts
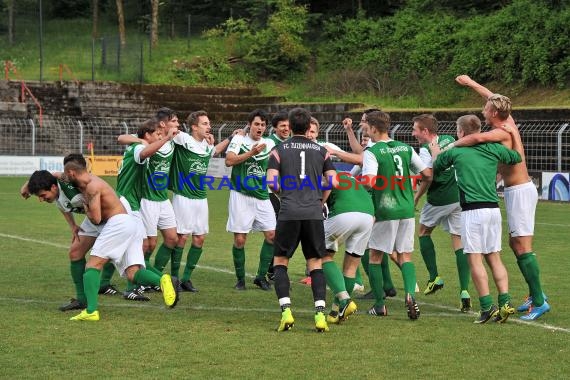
[{"x": 310, "y": 233}]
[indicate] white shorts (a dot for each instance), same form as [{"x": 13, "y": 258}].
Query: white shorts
[
  {"x": 191, "y": 215},
  {"x": 87, "y": 228},
  {"x": 481, "y": 230},
  {"x": 520, "y": 204},
  {"x": 248, "y": 213},
  {"x": 393, "y": 235},
  {"x": 121, "y": 242},
  {"x": 448, "y": 217},
  {"x": 157, "y": 214},
  {"x": 354, "y": 228}
]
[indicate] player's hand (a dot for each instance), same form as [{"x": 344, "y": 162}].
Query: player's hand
[
  {"x": 75, "y": 233},
  {"x": 463, "y": 80},
  {"x": 210, "y": 139},
  {"x": 434, "y": 146},
  {"x": 330, "y": 150},
  {"x": 325, "y": 211},
  {"x": 258, "y": 148},
  {"x": 240, "y": 132},
  {"x": 507, "y": 128},
  {"x": 347, "y": 123},
  {"x": 24, "y": 192}
]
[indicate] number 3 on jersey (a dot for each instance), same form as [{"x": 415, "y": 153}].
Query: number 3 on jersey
[{"x": 399, "y": 168}]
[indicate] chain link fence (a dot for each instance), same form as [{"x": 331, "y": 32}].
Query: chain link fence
[{"x": 547, "y": 143}]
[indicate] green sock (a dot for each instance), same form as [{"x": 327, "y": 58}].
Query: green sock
[
  {"x": 175, "y": 261},
  {"x": 146, "y": 277},
  {"x": 349, "y": 284},
  {"x": 376, "y": 283},
  {"x": 334, "y": 277},
  {"x": 503, "y": 298},
  {"x": 91, "y": 284},
  {"x": 365, "y": 261},
  {"x": 265, "y": 258},
  {"x": 130, "y": 286},
  {"x": 77, "y": 269},
  {"x": 531, "y": 272},
  {"x": 239, "y": 262},
  {"x": 358, "y": 279},
  {"x": 462, "y": 269},
  {"x": 409, "y": 274},
  {"x": 107, "y": 274},
  {"x": 192, "y": 258},
  {"x": 427, "y": 250},
  {"x": 388, "y": 284},
  {"x": 148, "y": 265},
  {"x": 486, "y": 302},
  {"x": 162, "y": 257}
]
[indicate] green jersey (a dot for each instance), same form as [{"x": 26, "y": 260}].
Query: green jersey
[
  {"x": 476, "y": 169},
  {"x": 391, "y": 163},
  {"x": 248, "y": 177},
  {"x": 130, "y": 177},
  {"x": 443, "y": 189},
  {"x": 349, "y": 198},
  {"x": 276, "y": 139},
  {"x": 70, "y": 198},
  {"x": 156, "y": 170},
  {"x": 189, "y": 166}
]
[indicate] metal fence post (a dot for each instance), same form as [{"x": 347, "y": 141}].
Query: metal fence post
[
  {"x": 33, "y": 137},
  {"x": 393, "y": 132},
  {"x": 220, "y": 133},
  {"x": 327, "y": 132},
  {"x": 80, "y": 136},
  {"x": 559, "y": 145},
  {"x": 126, "y": 128}
]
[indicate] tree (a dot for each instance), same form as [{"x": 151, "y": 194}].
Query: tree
[
  {"x": 121, "y": 17},
  {"x": 154, "y": 24}
]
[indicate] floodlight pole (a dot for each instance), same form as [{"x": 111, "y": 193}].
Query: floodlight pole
[{"x": 41, "y": 42}]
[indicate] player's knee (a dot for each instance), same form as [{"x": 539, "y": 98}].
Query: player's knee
[{"x": 198, "y": 240}]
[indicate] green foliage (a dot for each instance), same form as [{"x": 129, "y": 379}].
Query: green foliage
[
  {"x": 213, "y": 70},
  {"x": 275, "y": 51},
  {"x": 525, "y": 42}
]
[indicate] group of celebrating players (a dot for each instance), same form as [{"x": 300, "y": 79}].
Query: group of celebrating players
[{"x": 372, "y": 218}]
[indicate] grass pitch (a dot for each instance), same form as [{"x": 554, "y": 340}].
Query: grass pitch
[{"x": 223, "y": 333}]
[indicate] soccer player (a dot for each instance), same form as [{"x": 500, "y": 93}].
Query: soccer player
[
  {"x": 356, "y": 158},
  {"x": 349, "y": 222},
  {"x": 249, "y": 204},
  {"x": 69, "y": 200},
  {"x": 521, "y": 196},
  {"x": 475, "y": 168},
  {"x": 156, "y": 209},
  {"x": 119, "y": 241},
  {"x": 442, "y": 208},
  {"x": 192, "y": 155},
  {"x": 130, "y": 180},
  {"x": 282, "y": 132},
  {"x": 387, "y": 166},
  {"x": 301, "y": 163}
]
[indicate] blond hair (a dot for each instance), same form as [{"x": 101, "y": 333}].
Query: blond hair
[{"x": 501, "y": 104}]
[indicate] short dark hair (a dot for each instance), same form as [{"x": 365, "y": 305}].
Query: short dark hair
[
  {"x": 165, "y": 114},
  {"x": 258, "y": 113},
  {"x": 149, "y": 126},
  {"x": 299, "y": 120},
  {"x": 76, "y": 158},
  {"x": 279, "y": 117},
  {"x": 194, "y": 116},
  {"x": 41, "y": 180},
  {"x": 426, "y": 121},
  {"x": 378, "y": 120}
]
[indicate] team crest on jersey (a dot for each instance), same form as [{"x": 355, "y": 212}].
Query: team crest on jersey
[
  {"x": 198, "y": 167},
  {"x": 254, "y": 170}
]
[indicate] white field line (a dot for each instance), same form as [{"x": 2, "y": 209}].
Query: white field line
[{"x": 227, "y": 271}]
